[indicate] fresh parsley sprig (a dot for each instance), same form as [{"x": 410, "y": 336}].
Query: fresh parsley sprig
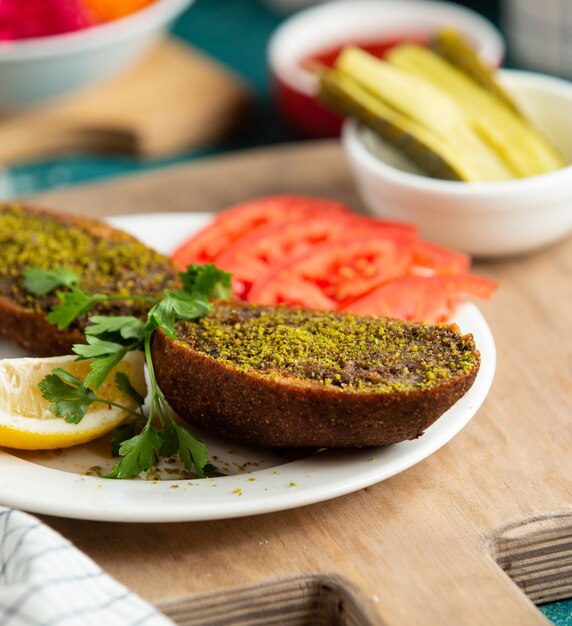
[
  {"x": 71, "y": 398},
  {"x": 39, "y": 281},
  {"x": 108, "y": 340}
]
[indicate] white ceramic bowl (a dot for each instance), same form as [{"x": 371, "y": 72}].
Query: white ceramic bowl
[
  {"x": 34, "y": 71},
  {"x": 340, "y": 22},
  {"x": 483, "y": 219}
]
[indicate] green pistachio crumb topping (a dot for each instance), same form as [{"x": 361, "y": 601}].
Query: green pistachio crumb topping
[
  {"x": 333, "y": 349},
  {"x": 118, "y": 265}
]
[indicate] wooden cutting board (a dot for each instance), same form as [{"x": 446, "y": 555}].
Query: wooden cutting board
[
  {"x": 442, "y": 543},
  {"x": 175, "y": 99}
]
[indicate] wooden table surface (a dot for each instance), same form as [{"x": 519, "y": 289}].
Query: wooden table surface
[{"x": 445, "y": 541}]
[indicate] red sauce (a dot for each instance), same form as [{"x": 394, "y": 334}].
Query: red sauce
[
  {"x": 305, "y": 114},
  {"x": 378, "y": 48}
]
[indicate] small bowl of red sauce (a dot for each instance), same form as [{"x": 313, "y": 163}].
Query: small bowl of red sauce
[{"x": 317, "y": 35}]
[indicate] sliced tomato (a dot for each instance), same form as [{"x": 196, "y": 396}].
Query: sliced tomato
[
  {"x": 470, "y": 285},
  {"x": 293, "y": 291},
  {"x": 429, "y": 299},
  {"x": 267, "y": 246},
  {"x": 396, "y": 230},
  {"x": 229, "y": 226},
  {"x": 315, "y": 253},
  {"x": 252, "y": 256},
  {"x": 412, "y": 298},
  {"x": 343, "y": 270},
  {"x": 437, "y": 259}
]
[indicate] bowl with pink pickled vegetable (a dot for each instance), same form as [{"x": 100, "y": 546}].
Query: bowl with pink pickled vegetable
[{"x": 51, "y": 48}]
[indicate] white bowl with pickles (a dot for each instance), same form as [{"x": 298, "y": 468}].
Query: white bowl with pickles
[{"x": 481, "y": 170}]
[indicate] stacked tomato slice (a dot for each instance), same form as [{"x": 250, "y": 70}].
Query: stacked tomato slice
[{"x": 316, "y": 253}]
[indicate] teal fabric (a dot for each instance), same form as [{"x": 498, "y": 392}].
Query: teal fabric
[
  {"x": 559, "y": 612},
  {"x": 236, "y": 32}
]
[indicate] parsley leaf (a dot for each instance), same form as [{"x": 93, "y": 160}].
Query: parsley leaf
[
  {"x": 139, "y": 454},
  {"x": 116, "y": 328},
  {"x": 96, "y": 347},
  {"x": 72, "y": 304},
  {"x": 211, "y": 471},
  {"x": 105, "y": 354},
  {"x": 69, "y": 397},
  {"x": 108, "y": 339},
  {"x": 124, "y": 384},
  {"x": 102, "y": 366},
  {"x": 170, "y": 443},
  {"x": 162, "y": 316},
  {"x": 39, "y": 282},
  {"x": 207, "y": 280},
  {"x": 177, "y": 305},
  {"x": 191, "y": 450},
  {"x": 121, "y": 433}
]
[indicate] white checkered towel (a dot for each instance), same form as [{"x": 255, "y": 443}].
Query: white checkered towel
[{"x": 46, "y": 581}]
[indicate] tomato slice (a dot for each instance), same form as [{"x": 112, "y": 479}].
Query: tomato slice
[
  {"x": 229, "y": 226},
  {"x": 267, "y": 246},
  {"x": 395, "y": 230},
  {"x": 314, "y": 252},
  {"x": 342, "y": 270},
  {"x": 437, "y": 259},
  {"x": 429, "y": 299},
  {"x": 255, "y": 254},
  {"x": 294, "y": 291}
]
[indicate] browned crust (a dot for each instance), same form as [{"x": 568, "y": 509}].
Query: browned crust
[
  {"x": 33, "y": 332},
  {"x": 30, "y": 329},
  {"x": 253, "y": 409}
]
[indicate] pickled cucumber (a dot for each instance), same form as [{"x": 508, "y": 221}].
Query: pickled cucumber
[
  {"x": 518, "y": 143},
  {"x": 348, "y": 98},
  {"x": 393, "y": 101},
  {"x": 438, "y": 115},
  {"x": 454, "y": 48}
]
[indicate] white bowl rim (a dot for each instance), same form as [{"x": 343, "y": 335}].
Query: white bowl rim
[
  {"x": 350, "y": 138},
  {"x": 100, "y": 35},
  {"x": 288, "y": 70}
]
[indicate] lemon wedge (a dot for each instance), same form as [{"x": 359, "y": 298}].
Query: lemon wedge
[{"x": 26, "y": 422}]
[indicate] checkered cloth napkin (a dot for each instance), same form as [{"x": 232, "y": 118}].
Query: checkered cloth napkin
[{"x": 46, "y": 581}]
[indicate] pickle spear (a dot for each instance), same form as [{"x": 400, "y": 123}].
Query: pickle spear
[
  {"x": 347, "y": 97},
  {"x": 427, "y": 149},
  {"x": 453, "y": 47},
  {"x": 521, "y": 146},
  {"x": 419, "y": 109}
]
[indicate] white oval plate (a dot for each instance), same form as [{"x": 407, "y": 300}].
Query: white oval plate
[{"x": 258, "y": 481}]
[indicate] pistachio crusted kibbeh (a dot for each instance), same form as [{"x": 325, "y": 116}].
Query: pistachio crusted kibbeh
[
  {"x": 107, "y": 260},
  {"x": 275, "y": 376}
]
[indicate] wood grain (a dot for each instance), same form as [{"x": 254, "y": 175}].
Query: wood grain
[
  {"x": 537, "y": 555},
  {"x": 295, "y": 601},
  {"x": 423, "y": 547},
  {"x": 175, "y": 99}
]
